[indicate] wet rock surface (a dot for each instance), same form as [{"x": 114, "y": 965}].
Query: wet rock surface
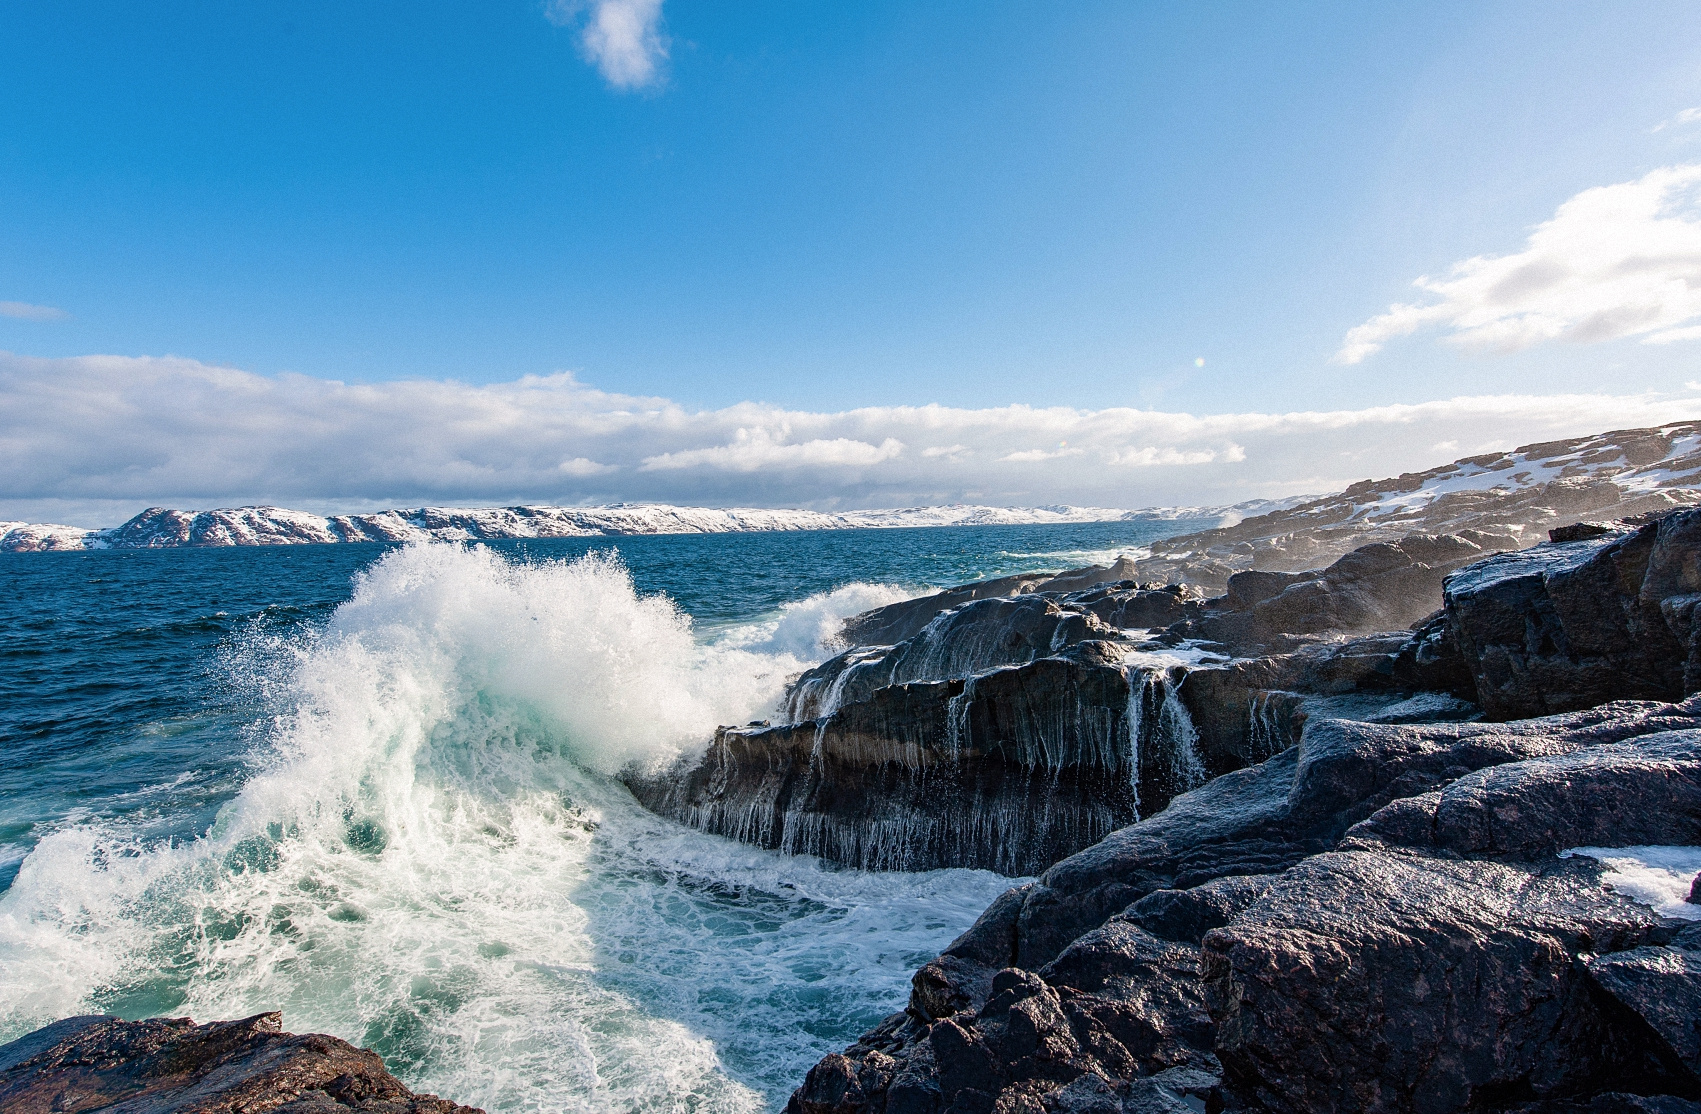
[
  {"x": 1009, "y": 731},
  {"x": 173, "y": 1066},
  {"x": 1375, "y": 919},
  {"x": 1008, "y": 771},
  {"x": 1569, "y": 624},
  {"x": 1340, "y": 793}
]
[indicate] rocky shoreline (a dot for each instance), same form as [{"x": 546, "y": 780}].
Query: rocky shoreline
[
  {"x": 1383, "y": 916},
  {"x": 1327, "y": 810}
]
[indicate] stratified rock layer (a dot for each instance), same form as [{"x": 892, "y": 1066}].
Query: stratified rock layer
[{"x": 173, "y": 1066}]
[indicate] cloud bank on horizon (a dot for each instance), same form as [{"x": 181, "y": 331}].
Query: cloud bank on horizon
[
  {"x": 1613, "y": 262},
  {"x": 93, "y": 439}
]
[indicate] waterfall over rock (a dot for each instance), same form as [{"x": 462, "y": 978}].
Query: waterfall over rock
[{"x": 1009, "y": 770}]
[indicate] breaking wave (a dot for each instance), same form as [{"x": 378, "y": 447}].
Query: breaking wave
[{"x": 431, "y": 858}]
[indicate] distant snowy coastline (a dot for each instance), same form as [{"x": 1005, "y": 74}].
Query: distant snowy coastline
[{"x": 163, "y": 528}]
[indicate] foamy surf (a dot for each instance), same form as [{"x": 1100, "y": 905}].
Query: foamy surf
[{"x": 431, "y": 860}]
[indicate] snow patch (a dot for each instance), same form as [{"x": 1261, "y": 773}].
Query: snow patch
[{"x": 1656, "y": 876}]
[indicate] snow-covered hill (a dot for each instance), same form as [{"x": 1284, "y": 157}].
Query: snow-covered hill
[
  {"x": 1501, "y": 500},
  {"x": 159, "y": 527}
]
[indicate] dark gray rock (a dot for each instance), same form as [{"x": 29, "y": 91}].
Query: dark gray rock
[
  {"x": 1009, "y": 771},
  {"x": 173, "y": 1066},
  {"x": 957, "y": 644},
  {"x": 1611, "y": 1102},
  {"x": 1366, "y": 978},
  {"x": 1647, "y": 791},
  {"x": 1661, "y": 988},
  {"x": 1573, "y": 624},
  {"x": 1186, "y": 915},
  {"x": 894, "y": 623},
  {"x": 1376, "y": 981}
]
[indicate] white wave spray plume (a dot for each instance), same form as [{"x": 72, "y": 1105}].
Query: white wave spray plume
[{"x": 430, "y": 859}]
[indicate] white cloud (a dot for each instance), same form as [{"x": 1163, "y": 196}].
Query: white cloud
[
  {"x": 623, "y": 39},
  {"x": 1151, "y": 454},
  {"x": 1035, "y": 456},
  {"x": 94, "y": 439},
  {"x": 1613, "y": 262},
  {"x": 752, "y": 450},
  {"x": 26, "y": 312},
  {"x": 1687, "y": 116}
]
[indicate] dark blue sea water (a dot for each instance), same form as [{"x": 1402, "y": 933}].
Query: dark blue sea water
[{"x": 371, "y": 787}]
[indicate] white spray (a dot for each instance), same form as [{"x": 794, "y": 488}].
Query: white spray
[{"x": 429, "y": 860}]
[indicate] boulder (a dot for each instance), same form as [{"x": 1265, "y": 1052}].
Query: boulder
[
  {"x": 1656, "y": 991},
  {"x": 1647, "y": 791},
  {"x": 886, "y": 626},
  {"x": 973, "y": 638},
  {"x": 1573, "y": 624},
  {"x": 174, "y": 1066}
]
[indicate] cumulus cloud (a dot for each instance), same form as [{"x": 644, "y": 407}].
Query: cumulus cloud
[
  {"x": 1613, "y": 262},
  {"x": 623, "y": 39},
  {"x": 26, "y": 312},
  {"x": 94, "y": 439}
]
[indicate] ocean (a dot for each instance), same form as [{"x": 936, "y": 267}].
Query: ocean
[{"x": 372, "y": 787}]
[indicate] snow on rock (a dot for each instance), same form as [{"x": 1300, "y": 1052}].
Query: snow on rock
[
  {"x": 30, "y": 537},
  {"x": 164, "y": 528},
  {"x": 1502, "y": 500}
]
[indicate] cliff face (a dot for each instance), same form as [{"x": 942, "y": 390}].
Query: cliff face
[
  {"x": 1574, "y": 623},
  {"x": 1010, "y": 730},
  {"x": 1008, "y": 770}
]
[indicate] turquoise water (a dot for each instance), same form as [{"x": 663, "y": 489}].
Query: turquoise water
[{"x": 371, "y": 787}]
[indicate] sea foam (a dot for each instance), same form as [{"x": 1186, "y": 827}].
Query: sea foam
[{"x": 431, "y": 859}]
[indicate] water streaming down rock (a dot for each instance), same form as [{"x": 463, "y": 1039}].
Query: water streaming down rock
[
  {"x": 1267, "y": 718},
  {"x": 1008, "y": 770}
]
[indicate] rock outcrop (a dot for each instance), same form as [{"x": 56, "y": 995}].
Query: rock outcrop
[
  {"x": 174, "y": 1066},
  {"x": 1009, "y": 770},
  {"x": 1375, "y": 920},
  {"x": 1575, "y": 622},
  {"x": 1011, "y": 730}
]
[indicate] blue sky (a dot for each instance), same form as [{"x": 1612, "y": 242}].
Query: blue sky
[{"x": 812, "y": 210}]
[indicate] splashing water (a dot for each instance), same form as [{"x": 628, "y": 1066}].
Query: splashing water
[
  {"x": 429, "y": 858},
  {"x": 810, "y": 628}
]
